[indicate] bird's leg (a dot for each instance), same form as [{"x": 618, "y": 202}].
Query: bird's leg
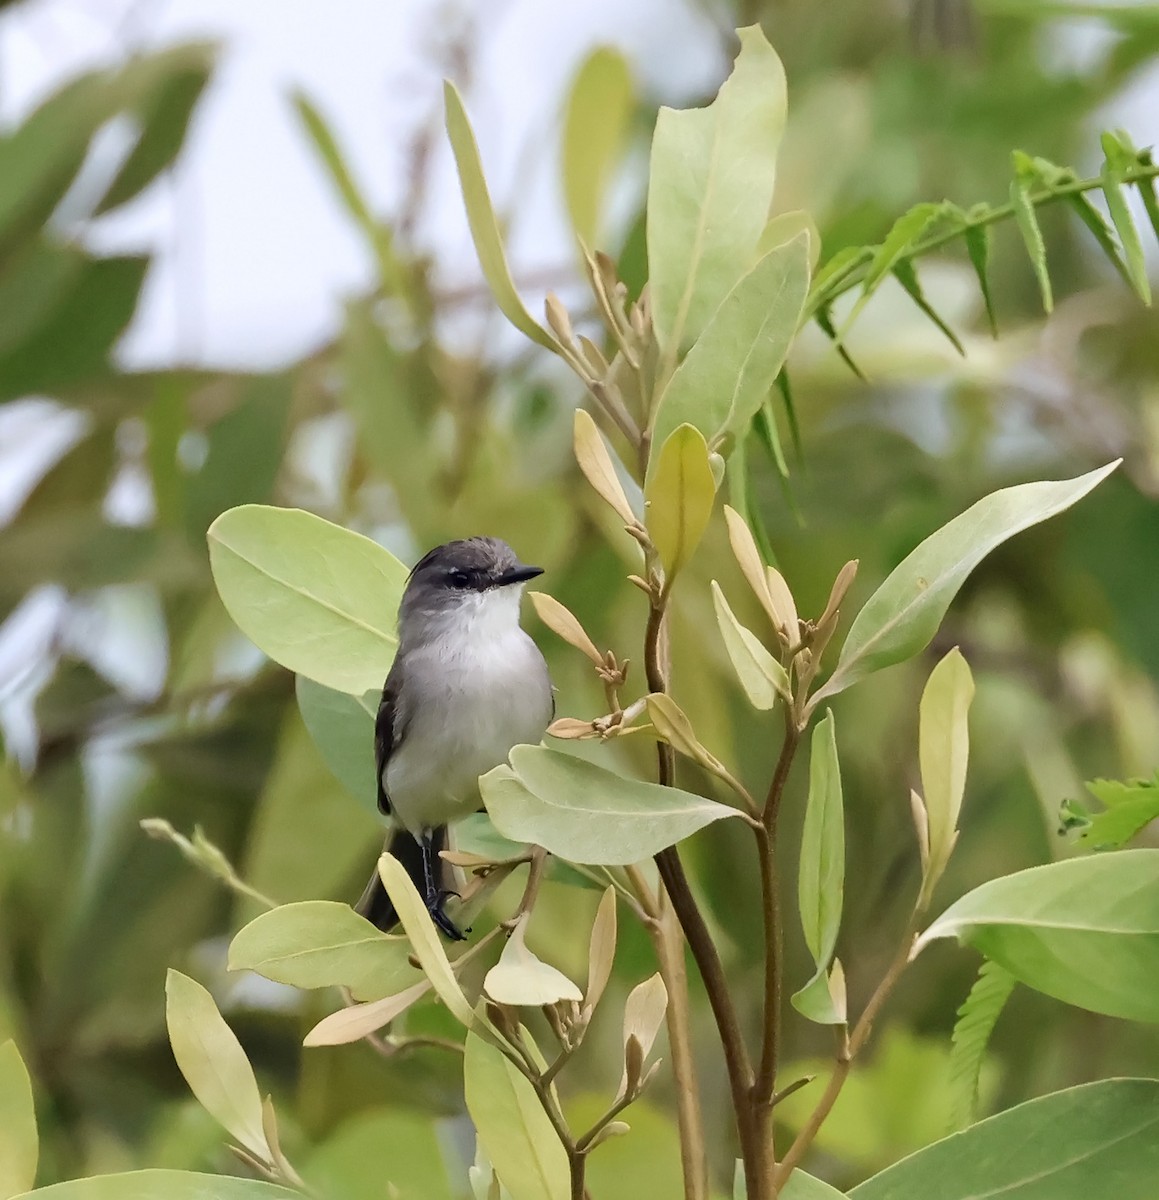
[{"x": 436, "y": 897}]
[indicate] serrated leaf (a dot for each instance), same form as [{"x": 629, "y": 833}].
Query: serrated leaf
[
  {"x": 679, "y": 498},
  {"x": 902, "y": 616},
  {"x": 824, "y": 318},
  {"x": 1027, "y": 220},
  {"x": 520, "y": 978},
  {"x": 978, "y": 248},
  {"x": 976, "y": 1020},
  {"x": 906, "y": 230},
  {"x": 710, "y": 187},
  {"x": 761, "y": 676},
  {"x": 1114, "y": 191},
  {"x": 596, "y": 123},
  {"x": 515, "y": 1132},
  {"x": 481, "y": 218},
  {"x": 19, "y": 1140},
  {"x": 213, "y": 1063},
  {"x": 906, "y": 274},
  {"x": 1128, "y": 808},
  {"x": 587, "y": 814},
  {"x": 821, "y": 881}
]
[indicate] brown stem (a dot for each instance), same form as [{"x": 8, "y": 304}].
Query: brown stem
[
  {"x": 766, "y": 1082},
  {"x": 700, "y": 941},
  {"x": 847, "y": 1050}
]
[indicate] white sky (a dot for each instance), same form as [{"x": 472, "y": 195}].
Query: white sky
[{"x": 254, "y": 251}]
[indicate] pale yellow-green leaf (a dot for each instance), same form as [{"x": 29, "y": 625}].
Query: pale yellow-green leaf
[
  {"x": 588, "y": 814},
  {"x": 515, "y": 1132},
  {"x": 644, "y": 1011},
  {"x": 595, "y": 129},
  {"x": 317, "y": 598},
  {"x": 412, "y": 912},
  {"x": 786, "y": 226},
  {"x": 213, "y": 1063},
  {"x": 481, "y": 218},
  {"x": 679, "y": 497},
  {"x": 601, "y": 949},
  {"x": 562, "y": 621},
  {"x": 710, "y": 187},
  {"x": 521, "y": 978},
  {"x": 944, "y": 749},
  {"x": 163, "y": 1185},
  {"x": 748, "y": 557},
  {"x": 727, "y": 374},
  {"x": 761, "y": 676},
  {"x": 595, "y": 461},
  {"x": 350, "y": 1024},
  {"x": 674, "y": 727},
  {"x": 19, "y": 1141}
]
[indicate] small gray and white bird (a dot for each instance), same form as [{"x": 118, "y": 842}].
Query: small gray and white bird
[{"x": 467, "y": 684}]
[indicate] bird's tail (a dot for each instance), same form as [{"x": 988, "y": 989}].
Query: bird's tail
[{"x": 375, "y": 905}]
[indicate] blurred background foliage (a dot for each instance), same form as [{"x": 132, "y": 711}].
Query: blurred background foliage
[{"x": 416, "y": 424}]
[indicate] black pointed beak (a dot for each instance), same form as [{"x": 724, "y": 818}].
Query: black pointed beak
[{"x": 519, "y": 574}]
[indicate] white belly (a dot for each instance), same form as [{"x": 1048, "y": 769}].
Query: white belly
[{"x": 468, "y": 708}]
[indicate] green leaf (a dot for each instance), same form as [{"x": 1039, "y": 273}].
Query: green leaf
[
  {"x": 1116, "y": 163},
  {"x": 824, "y": 319},
  {"x": 732, "y": 366},
  {"x": 761, "y": 676},
  {"x": 1027, "y": 220},
  {"x": 1085, "y": 930},
  {"x": 710, "y": 187},
  {"x": 978, "y": 247},
  {"x": 481, "y": 217},
  {"x": 906, "y": 274},
  {"x": 420, "y": 929},
  {"x": 976, "y": 1020},
  {"x": 1066, "y": 1146},
  {"x": 802, "y": 1186},
  {"x": 1097, "y": 224},
  {"x": 679, "y": 497},
  {"x": 596, "y": 124},
  {"x": 902, "y": 616},
  {"x": 19, "y": 1141},
  {"x": 213, "y": 1062},
  {"x": 821, "y": 882},
  {"x": 317, "y": 598},
  {"x": 1128, "y": 808},
  {"x": 944, "y": 751},
  {"x": 163, "y": 1185},
  {"x": 1147, "y": 191},
  {"x": 342, "y": 727},
  {"x": 162, "y": 91},
  {"x": 320, "y": 943},
  {"x": 515, "y": 1131},
  {"x": 906, "y": 230},
  {"x": 587, "y": 814}
]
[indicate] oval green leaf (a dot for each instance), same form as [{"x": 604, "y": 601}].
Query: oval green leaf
[
  {"x": 515, "y": 1132},
  {"x": 679, "y": 498},
  {"x": 730, "y": 369},
  {"x": 587, "y": 814},
  {"x": 1066, "y": 1146},
  {"x": 19, "y": 1141},
  {"x": 317, "y": 598},
  {"x": 321, "y": 943},
  {"x": 710, "y": 187},
  {"x": 162, "y": 1185},
  {"x": 901, "y": 617},
  {"x": 1085, "y": 930},
  {"x": 821, "y": 881},
  {"x": 342, "y": 727},
  {"x": 213, "y": 1062}
]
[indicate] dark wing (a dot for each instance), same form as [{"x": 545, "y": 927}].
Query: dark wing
[{"x": 387, "y": 734}]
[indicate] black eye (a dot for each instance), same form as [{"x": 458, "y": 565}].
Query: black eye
[{"x": 458, "y": 579}]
